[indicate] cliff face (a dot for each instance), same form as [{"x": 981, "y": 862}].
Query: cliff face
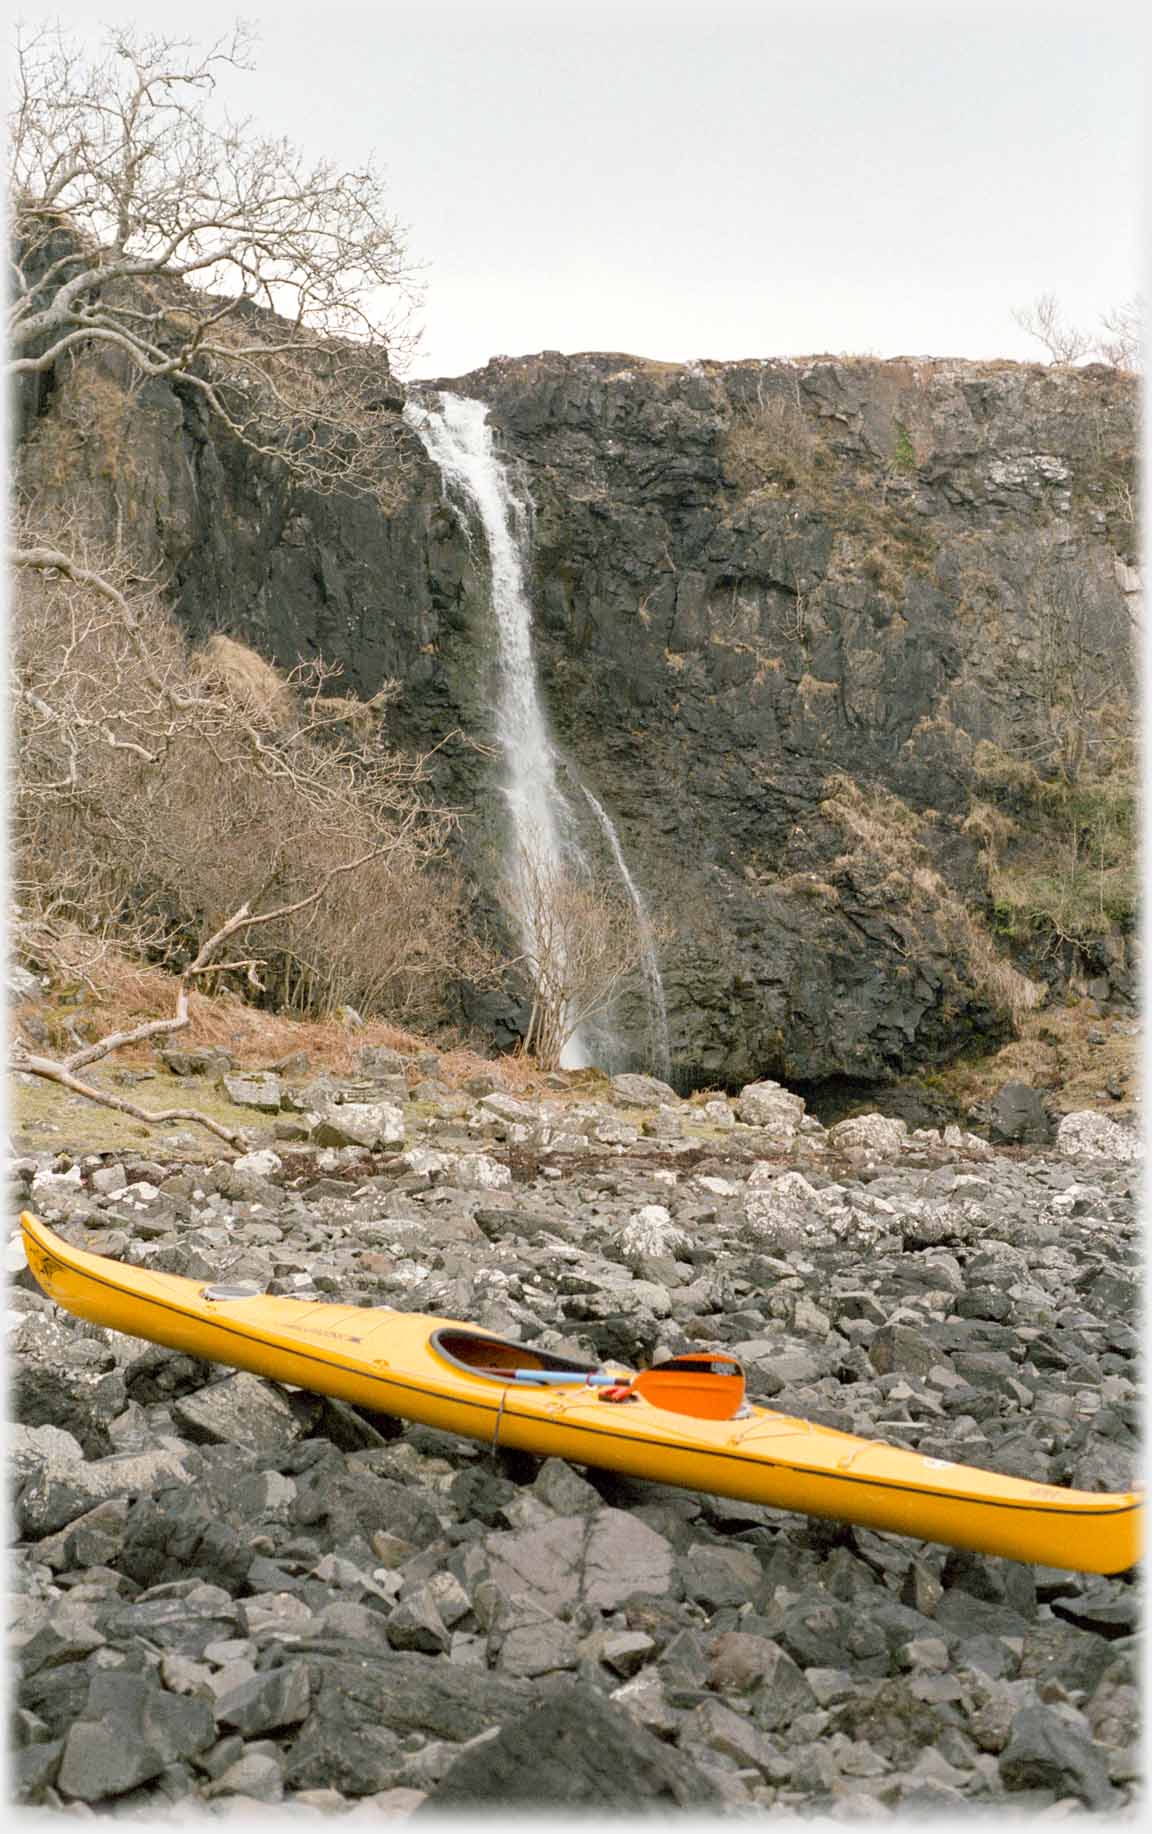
[{"x": 803, "y": 628}]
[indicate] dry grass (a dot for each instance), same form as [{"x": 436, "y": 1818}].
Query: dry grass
[
  {"x": 885, "y": 833},
  {"x": 1056, "y": 1052},
  {"x": 771, "y": 447},
  {"x": 252, "y": 684},
  {"x": 121, "y": 992}
]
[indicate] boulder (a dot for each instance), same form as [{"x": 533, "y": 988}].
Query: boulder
[
  {"x": 1017, "y": 1116},
  {"x": 576, "y": 1750},
  {"x": 258, "y": 1089},
  {"x": 369, "y": 1124},
  {"x": 241, "y": 1410},
  {"x": 56, "y": 1495},
  {"x": 1089, "y": 1135},
  {"x": 770, "y": 1106},
  {"x": 130, "y": 1731},
  {"x": 477, "y": 1172},
  {"x": 604, "y": 1559},
  {"x": 262, "y": 1164},
  {"x": 651, "y": 1231},
  {"x": 1046, "y": 1751},
  {"x": 268, "y": 1702},
  {"x": 632, "y": 1090},
  {"x": 877, "y": 1135}
]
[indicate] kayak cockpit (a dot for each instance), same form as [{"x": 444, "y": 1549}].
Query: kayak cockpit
[{"x": 496, "y": 1359}]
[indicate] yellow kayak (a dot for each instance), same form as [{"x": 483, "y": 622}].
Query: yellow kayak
[{"x": 661, "y": 1425}]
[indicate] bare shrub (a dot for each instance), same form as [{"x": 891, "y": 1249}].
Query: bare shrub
[
  {"x": 153, "y": 799},
  {"x": 581, "y": 942},
  {"x": 1122, "y": 344},
  {"x": 771, "y": 444}
]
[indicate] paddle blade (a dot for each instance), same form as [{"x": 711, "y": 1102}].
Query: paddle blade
[{"x": 709, "y": 1386}]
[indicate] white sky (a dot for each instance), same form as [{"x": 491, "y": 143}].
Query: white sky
[{"x": 722, "y": 180}]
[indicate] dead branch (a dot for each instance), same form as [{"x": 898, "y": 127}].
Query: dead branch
[
  {"x": 53, "y": 1072},
  {"x": 63, "y": 1071}
]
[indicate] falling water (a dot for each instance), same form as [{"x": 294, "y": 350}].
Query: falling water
[
  {"x": 661, "y": 1049},
  {"x": 459, "y": 440}
]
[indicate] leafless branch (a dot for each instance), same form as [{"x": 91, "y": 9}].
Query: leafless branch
[{"x": 150, "y": 225}]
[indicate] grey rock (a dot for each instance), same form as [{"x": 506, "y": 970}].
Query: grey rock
[
  {"x": 877, "y": 1135},
  {"x": 717, "y": 1576},
  {"x": 1017, "y": 1115},
  {"x": 1045, "y": 1751},
  {"x": 52, "y": 1498},
  {"x": 262, "y": 1164},
  {"x": 368, "y": 1124},
  {"x": 733, "y": 1736},
  {"x": 269, "y": 1702},
  {"x": 575, "y": 1750},
  {"x": 416, "y": 1623},
  {"x": 131, "y": 1730},
  {"x": 257, "y": 1776},
  {"x": 242, "y": 1410},
  {"x": 477, "y": 1172},
  {"x": 564, "y": 1490},
  {"x": 41, "y": 1451},
  {"x": 1089, "y": 1135},
  {"x": 767, "y": 1105},
  {"x": 260, "y": 1090},
  {"x": 632, "y": 1090},
  {"x": 742, "y": 1664},
  {"x": 604, "y": 1559},
  {"x": 524, "y": 1639}
]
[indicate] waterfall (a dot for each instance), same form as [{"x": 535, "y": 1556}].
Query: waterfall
[
  {"x": 661, "y": 1049},
  {"x": 458, "y": 439}
]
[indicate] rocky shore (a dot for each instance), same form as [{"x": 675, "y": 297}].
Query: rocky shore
[{"x": 230, "y": 1595}]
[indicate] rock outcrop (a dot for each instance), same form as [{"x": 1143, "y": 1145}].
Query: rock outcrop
[{"x": 795, "y": 622}]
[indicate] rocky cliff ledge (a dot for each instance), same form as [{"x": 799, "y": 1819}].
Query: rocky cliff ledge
[{"x": 806, "y": 629}]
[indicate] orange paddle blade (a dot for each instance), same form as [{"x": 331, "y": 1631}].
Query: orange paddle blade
[{"x": 708, "y": 1386}]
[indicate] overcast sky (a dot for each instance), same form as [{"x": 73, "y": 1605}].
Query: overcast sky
[{"x": 721, "y": 180}]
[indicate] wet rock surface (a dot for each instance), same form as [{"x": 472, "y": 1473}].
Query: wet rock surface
[{"x": 225, "y": 1593}]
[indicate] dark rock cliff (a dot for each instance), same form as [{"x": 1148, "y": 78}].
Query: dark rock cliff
[{"x": 799, "y": 624}]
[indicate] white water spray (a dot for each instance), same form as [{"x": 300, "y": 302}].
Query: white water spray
[
  {"x": 661, "y": 1049},
  {"x": 459, "y": 441}
]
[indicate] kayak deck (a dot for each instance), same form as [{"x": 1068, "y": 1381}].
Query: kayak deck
[{"x": 407, "y": 1364}]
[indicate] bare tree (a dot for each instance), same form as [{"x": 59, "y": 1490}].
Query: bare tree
[
  {"x": 147, "y": 223},
  {"x": 1085, "y": 668},
  {"x": 1124, "y": 331},
  {"x": 1044, "y": 320},
  {"x": 582, "y": 942},
  {"x": 1119, "y": 343}
]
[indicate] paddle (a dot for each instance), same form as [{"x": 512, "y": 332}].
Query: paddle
[{"x": 708, "y": 1386}]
